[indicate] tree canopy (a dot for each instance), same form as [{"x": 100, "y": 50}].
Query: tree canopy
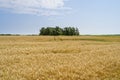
[{"x": 70, "y": 31}]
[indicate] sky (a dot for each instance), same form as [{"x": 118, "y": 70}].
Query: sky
[{"x": 90, "y": 16}]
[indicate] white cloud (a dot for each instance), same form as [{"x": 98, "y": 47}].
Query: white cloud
[
  {"x": 39, "y": 7},
  {"x": 52, "y": 4}
]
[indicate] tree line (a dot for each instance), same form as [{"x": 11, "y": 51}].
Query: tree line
[{"x": 70, "y": 31}]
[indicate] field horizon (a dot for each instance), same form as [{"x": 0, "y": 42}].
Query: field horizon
[{"x": 13, "y": 34}]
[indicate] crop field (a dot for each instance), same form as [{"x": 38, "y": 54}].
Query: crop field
[{"x": 60, "y": 58}]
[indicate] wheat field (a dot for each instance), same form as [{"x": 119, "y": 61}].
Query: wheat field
[{"x": 60, "y": 58}]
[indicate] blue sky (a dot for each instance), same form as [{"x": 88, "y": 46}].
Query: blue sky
[{"x": 90, "y": 16}]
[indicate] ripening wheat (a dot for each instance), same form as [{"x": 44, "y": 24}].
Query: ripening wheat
[{"x": 60, "y": 58}]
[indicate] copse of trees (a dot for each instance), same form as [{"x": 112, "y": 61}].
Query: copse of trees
[{"x": 69, "y": 31}]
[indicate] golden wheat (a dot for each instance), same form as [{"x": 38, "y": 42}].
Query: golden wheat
[{"x": 60, "y": 58}]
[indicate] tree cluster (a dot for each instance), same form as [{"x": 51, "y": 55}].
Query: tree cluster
[{"x": 59, "y": 31}]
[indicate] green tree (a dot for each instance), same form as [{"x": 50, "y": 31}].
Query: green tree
[
  {"x": 59, "y": 31},
  {"x": 42, "y": 31},
  {"x": 77, "y": 31}
]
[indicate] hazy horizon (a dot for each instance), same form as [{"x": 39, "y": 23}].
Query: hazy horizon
[{"x": 92, "y": 17}]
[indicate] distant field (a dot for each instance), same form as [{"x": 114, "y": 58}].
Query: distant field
[{"x": 60, "y": 58}]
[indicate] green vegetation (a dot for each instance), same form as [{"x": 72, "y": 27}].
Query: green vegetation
[{"x": 69, "y": 31}]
